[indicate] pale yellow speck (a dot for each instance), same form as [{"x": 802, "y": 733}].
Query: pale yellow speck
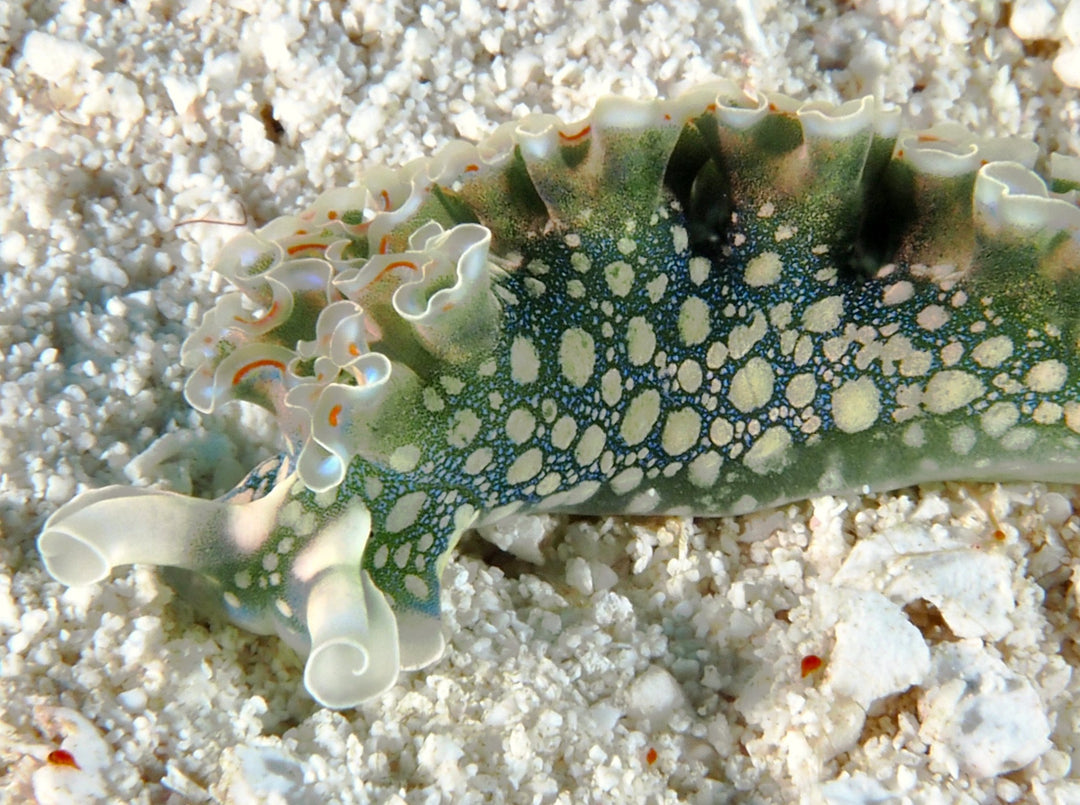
[
  {"x": 950, "y": 389},
  {"x": 752, "y": 385},
  {"x": 721, "y": 432},
  {"x": 520, "y": 425},
  {"x": 627, "y": 480},
  {"x": 640, "y": 341},
  {"x": 769, "y": 453},
  {"x": 620, "y": 277},
  {"x": 932, "y": 317},
  {"x": 405, "y": 458},
  {"x": 856, "y": 405},
  {"x": 563, "y": 432},
  {"x": 577, "y": 356},
  {"x": 681, "y": 431},
  {"x": 699, "y": 269},
  {"x": 525, "y": 466},
  {"x": 1047, "y": 413},
  {"x": 611, "y": 387},
  {"x": 590, "y": 445},
  {"x": 824, "y": 315},
  {"x": 801, "y": 390},
  {"x": 478, "y": 460},
  {"x": 705, "y": 469},
  {"x": 690, "y": 376},
  {"x": 464, "y": 425},
  {"x": 999, "y": 418},
  {"x": 763, "y": 270},
  {"x": 524, "y": 360},
  {"x": 993, "y": 351},
  {"x": 404, "y": 511},
  {"x": 640, "y": 416},
  {"x": 694, "y": 321},
  {"x": 1046, "y": 376}
]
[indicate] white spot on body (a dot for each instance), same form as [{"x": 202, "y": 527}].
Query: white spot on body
[
  {"x": 520, "y": 425},
  {"x": 577, "y": 356},
  {"x": 620, "y": 277},
  {"x": 525, "y": 466},
  {"x": 590, "y": 445},
  {"x": 823, "y": 315},
  {"x": 694, "y": 321},
  {"x": 993, "y": 352},
  {"x": 950, "y": 389},
  {"x": 640, "y": 341},
  {"x": 769, "y": 453},
  {"x": 763, "y": 270},
  {"x": 681, "y": 431},
  {"x": 524, "y": 361},
  {"x": 405, "y": 511},
  {"x": 640, "y": 416},
  {"x": 1046, "y": 376},
  {"x": 856, "y": 405},
  {"x": 752, "y": 385}
]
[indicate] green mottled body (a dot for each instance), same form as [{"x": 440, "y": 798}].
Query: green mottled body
[{"x": 692, "y": 307}]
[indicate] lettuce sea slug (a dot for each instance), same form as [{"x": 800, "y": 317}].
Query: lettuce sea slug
[{"x": 707, "y": 305}]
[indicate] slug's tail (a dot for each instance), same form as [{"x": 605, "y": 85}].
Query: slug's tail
[{"x": 320, "y": 600}]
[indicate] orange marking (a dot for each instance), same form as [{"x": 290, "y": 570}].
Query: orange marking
[
  {"x": 335, "y": 412},
  {"x": 239, "y": 376},
  {"x": 354, "y": 350},
  {"x": 396, "y": 264},
  {"x": 651, "y": 756},
  {"x": 384, "y": 243},
  {"x": 332, "y": 215},
  {"x": 62, "y": 757},
  {"x": 386, "y": 199},
  {"x": 300, "y": 247},
  {"x": 571, "y": 137},
  {"x": 471, "y": 168},
  {"x": 929, "y": 138},
  {"x": 711, "y": 107},
  {"x": 809, "y": 664}
]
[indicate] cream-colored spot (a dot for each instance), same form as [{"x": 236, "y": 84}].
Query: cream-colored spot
[
  {"x": 525, "y": 466},
  {"x": 705, "y": 469},
  {"x": 693, "y": 321},
  {"x": 575, "y": 289},
  {"x": 962, "y": 440},
  {"x": 824, "y": 315},
  {"x": 405, "y": 458},
  {"x": 548, "y": 484},
  {"x": 950, "y": 389},
  {"x": 763, "y": 270},
  {"x": 744, "y": 337},
  {"x": 856, "y": 405},
  {"x": 563, "y": 432},
  {"x": 801, "y": 390},
  {"x": 914, "y": 435},
  {"x": 577, "y": 356},
  {"x": 416, "y": 587},
  {"x": 932, "y": 317},
  {"x": 590, "y": 445},
  {"x": 404, "y": 511},
  {"x": 699, "y": 269},
  {"x": 524, "y": 361},
  {"x": 627, "y": 480},
  {"x": 520, "y": 425},
  {"x": 689, "y": 376},
  {"x": 1072, "y": 416},
  {"x": 611, "y": 387},
  {"x": 620, "y": 277},
  {"x": 993, "y": 352},
  {"x": 716, "y": 355},
  {"x": 769, "y": 453},
  {"x": 680, "y": 239},
  {"x": 626, "y": 245},
  {"x": 721, "y": 432},
  {"x": 402, "y": 554},
  {"x": 681, "y": 431},
  {"x": 432, "y": 401},
  {"x": 1047, "y": 413},
  {"x": 580, "y": 262},
  {"x": 464, "y": 425},
  {"x": 478, "y": 460},
  {"x": 640, "y": 341},
  {"x": 999, "y": 418},
  {"x": 1046, "y": 376},
  {"x": 640, "y": 416},
  {"x": 752, "y": 385},
  {"x": 657, "y": 288},
  {"x": 898, "y": 293}
]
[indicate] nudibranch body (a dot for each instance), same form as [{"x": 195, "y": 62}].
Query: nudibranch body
[{"x": 707, "y": 305}]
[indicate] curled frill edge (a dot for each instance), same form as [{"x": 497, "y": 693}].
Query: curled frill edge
[{"x": 330, "y": 610}]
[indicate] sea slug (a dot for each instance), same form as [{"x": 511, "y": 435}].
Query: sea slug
[{"x": 707, "y": 305}]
